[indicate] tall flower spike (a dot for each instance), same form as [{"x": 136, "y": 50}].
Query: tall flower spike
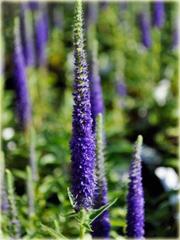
[
  {"x": 158, "y": 17},
  {"x": 135, "y": 198},
  {"x": 33, "y": 5},
  {"x": 22, "y": 95},
  {"x": 103, "y": 5},
  {"x": 101, "y": 225},
  {"x": 82, "y": 142},
  {"x": 58, "y": 17},
  {"x": 145, "y": 32},
  {"x": 41, "y": 37},
  {"x": 91, "y": 13},
  {"x": 97, "y": 103},
  {"x": 175, "y": 35},
  {"x": 121, "y": 88},
  {"x": 27, "y": 34},
  {"x": 4, "y": 205}
]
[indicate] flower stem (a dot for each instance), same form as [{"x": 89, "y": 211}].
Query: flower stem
[
  {"x": 30, "y": 192},
  {"x": 82, "y": 221}
]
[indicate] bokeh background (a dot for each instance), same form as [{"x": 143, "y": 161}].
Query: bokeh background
[{"x": 140, "y": 95}]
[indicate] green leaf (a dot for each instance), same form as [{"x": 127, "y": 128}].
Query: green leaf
[
  {"x": 20, "y": 174},
  {"x": 70, "y": 197},
  {"x": 87, "y": 226},
  {"x": 56, "y": 225},
  {"x": 96, "y": 213},
  {"x": 53, "y": 233},
  {"x": 71, "y": 214}
]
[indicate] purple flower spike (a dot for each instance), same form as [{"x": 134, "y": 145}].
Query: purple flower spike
[
  {"x": 27, "y": 35},
  {"x": 144, "y": 26},
  {"x": 121, "y": 88},
  {"x": 82, "y": 142},
  {"x": 97, "y": 103},
  {"x": 175, "y": 36},
  {"x": 58, "y": 18},
  {"x": 103, "y": 5},
  {"x": 158, "y": 17},
  {"x": 101, "y": 225},
  {"x": 91, "y": 13},
  {"x": 33, "y": 5},
  {"x": 41, "y": 38},
  {"x": 22, "y": 94},
  {"x": 135, "y": 198}
]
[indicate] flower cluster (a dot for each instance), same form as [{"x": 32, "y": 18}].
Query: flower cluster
[
  {"x": 144, "y": 26},
  {"x": 97, "y": 103},
  {"x": 82, "y": 142},
  {"x": 41, "y": 36},
  {"x": 101, "y": 225},
  {"x": 158, "y": 14},
  {"x": 23, "y": 105},
  {"x": 27, "y": 35},
  {"x": 135, "y": 198}
]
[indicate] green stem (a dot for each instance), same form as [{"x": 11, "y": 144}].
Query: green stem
[
  {"x": 1, "y": 189},
  {"x": 82, "y": 221},
  {"x": 30, "y": 192},
  {"x": 1, "y": 96},
  {"x": 32, "y": 155},
  {"x": 1, "y": 110}
]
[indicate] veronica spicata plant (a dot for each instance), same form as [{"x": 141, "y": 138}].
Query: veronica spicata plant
[
  {"x": 27, "y": 34},
  {"x": 82, "y": 142},
  {"x": 158, "y": 17},
  {"x": 135, "y": 198},
  {"x": 101, "y": 225},
  {"x": 23, "y": 105},
  {"x": 41, "y": 37},
  {"x": 97, "y": 103},
  {"x": 144, "y": 27}
]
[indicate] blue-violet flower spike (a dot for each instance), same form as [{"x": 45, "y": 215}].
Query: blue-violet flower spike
[
  {"x": 145, "y": 32},
  {"x": 101, "y": 225},
  {"x": 158, "y": 17},
  {"x": 82, "y": 142},
  {"x": 97, "y": 103},
  {"x": 135, "y": 198},
  {"x": 41, "y": 38},
  {"x": 27, "y": 35},
  {"x": 23, "y": 105}
]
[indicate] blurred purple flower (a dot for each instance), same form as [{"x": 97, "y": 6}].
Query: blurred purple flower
[
  {"x": 158, "y": 17},
  {"x": 41, "y": 38},
  {"x": 123, "y": 5},
  {"x": 103, "y": 5},
  {"x": 144, "y": 26},
  {"x": 33, "y": 5},
  {"x": 4, "y": 199},
  {"x": 46, "y": 19},
  {"x": 97, "y": 103},
  {"x": 121, "y": 89},
  {"x": 91, "y": 13},
  {"x": 58, "y": 18},
  {"x": 135, "y": 198},
  {"x": 82, "y": 142},
  {"x": 22, "y": 95},
  {"x": 101, "y": 225},
  {"x": 175, "y": 37},
  {"x": 27, "y": 35}
]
